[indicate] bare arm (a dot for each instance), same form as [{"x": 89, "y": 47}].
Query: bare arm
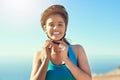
[
  {"x": 39, "y": 67},
  {"x": 83, "y": 71}
]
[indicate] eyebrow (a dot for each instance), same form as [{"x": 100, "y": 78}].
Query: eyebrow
[{"x": 60, "y": 22}]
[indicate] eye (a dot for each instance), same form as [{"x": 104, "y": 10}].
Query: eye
[
  {"x": 60, "y": 25},
  {"x": 51, "y": 25}
]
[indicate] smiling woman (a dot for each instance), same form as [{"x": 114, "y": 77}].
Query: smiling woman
[{"x": 61, "y": 60}]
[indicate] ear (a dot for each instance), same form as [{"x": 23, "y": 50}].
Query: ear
[{"x": 44, "y": 27}]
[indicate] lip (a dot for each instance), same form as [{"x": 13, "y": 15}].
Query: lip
[{"x": 56, "y": 33}]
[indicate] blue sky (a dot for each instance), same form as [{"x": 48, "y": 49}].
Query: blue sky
[{"x": 95, "y": 24}]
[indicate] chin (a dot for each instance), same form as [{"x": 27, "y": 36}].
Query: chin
[{"x": 56, "y": 39}]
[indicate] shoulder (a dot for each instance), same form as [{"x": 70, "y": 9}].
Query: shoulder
[
  {"x": 37, "y": 56},
  {"x": 77, "y": 46},
  {"x": 78, "y": 49}
]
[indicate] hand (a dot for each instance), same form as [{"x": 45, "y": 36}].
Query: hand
[
  {"x": 63, "y": 47},
  {"x": 47, "y": 49}
]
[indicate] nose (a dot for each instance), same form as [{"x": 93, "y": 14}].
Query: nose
[{"x": 55, "y": 27}]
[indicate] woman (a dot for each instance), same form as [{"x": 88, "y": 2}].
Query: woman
[{"x": 58, "y": 59}]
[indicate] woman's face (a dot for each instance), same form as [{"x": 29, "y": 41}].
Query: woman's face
[{"x": 55, "y": 27}]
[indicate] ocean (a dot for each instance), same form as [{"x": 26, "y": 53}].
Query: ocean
[
  {"x": 21, "y": 70},
  {"x": 15, "y": 72}
]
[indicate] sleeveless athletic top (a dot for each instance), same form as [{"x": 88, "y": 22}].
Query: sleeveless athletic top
[{"x": 61, "y": 72}]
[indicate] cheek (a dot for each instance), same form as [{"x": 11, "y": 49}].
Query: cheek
[
  {"x": 47, "y": 29},
  {"x": 64, "y": 30}
]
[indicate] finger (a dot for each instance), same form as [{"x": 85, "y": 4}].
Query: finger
[
  {"x": 62, "y": 48},
  {"x": 46, "y": 44}
]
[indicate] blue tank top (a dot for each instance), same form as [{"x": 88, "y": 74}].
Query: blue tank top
[{"x": 61, "y": 72}]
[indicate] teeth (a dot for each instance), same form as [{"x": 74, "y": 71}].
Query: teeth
[{"x": 56, "y": 33}]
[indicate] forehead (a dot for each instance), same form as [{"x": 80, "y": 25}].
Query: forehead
[{"x": 55, "y": 18}]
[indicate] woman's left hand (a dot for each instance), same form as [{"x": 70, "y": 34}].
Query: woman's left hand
[{"x": 63, "y": 48}]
